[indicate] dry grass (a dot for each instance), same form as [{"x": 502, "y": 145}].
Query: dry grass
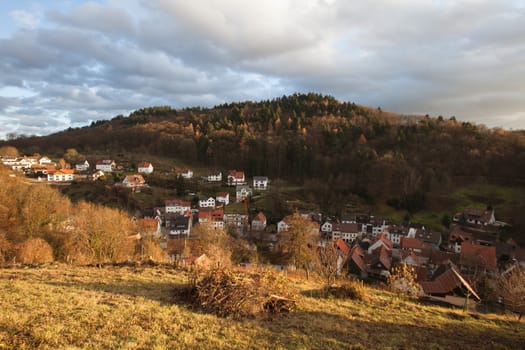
[{"x": 60, "y": 306}]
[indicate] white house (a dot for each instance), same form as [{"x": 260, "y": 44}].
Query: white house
[
  {"x": 106, "y": 165},
  {"x": 260, "y": 183},
  {"x": 283, "y": 225},
  {"x": 186, "y": 174},
  {"x": 242, "y": 192},
  {"x": 45, "y": 161},
  {"x": 177, "y": 206},
  {"x": 82, "y": 166},
  {"x": 145, "y": 168},
  {"x": 259, "y": 222},
  {"x": 223, "y": 197},
  {"x": 133, "y": 181},
  {"x": 236, "y": 178},
  {"x": 214, "y": 177},
  {"x": 63, "y": 175},
  {"x": 207, "y": 203}
]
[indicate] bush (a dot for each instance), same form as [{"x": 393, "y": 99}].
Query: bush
[
  {"x": 229, "y": 293},
  {"x": 352, "y": 289},
  {"x": 34, "y": 251}
]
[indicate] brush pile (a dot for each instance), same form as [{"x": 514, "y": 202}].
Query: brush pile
[{"x": 240, "y": 294}]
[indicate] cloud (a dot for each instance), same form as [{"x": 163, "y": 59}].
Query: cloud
[
  {"x": 24, "y": 18},
  {"x": 99, "y": 59}
]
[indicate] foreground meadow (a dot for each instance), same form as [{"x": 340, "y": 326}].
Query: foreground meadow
[{"x": 68, "y": 307}]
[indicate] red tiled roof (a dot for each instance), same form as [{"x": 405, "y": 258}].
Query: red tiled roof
[
  {"x": 357, "y": 256},
  {"x": 446, "y": 283},
  {"x": 260, "y": 217},
  {"x": 177, "y": 202},
  {"x": 475, "y": 254},
  {"x": 222, "y": 194},
  {"x": 342, "y": 246},
  {"x": 411, "y": 243},
  {"x": 237, "y": 174},
  {"x": 145, "y": 165}
]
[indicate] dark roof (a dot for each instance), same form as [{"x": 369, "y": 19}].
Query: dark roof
[
  {"x": 431, "y": 237},
  {"x": 478, "y": 255},
  {"x": 446, "y": 283},
  {"x": 356, "y": 257}
]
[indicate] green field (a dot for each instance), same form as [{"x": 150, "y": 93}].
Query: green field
[{"x": 67, "y": 307}]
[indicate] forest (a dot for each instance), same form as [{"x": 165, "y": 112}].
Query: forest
[{"x": 335, "y": 150}]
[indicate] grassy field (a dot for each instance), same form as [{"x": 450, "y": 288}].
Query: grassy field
[{"x": 66, "y": 307}]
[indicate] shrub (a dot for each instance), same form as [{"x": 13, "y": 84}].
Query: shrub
[
  {"x": 352, "y": 289},
  {"x": 230, "y": 293},
  {"x": 34, "y": 251}
]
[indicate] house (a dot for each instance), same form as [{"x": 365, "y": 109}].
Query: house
[
  {"x": 476, "y": 216},
  {"x": 349, "y": 232},
  {"x": 327, "y": 229},
  {"x": 456, "y": 238},
  {"x": 478, "y": 259},
  {"x": 379, "y": 262},
  {"x": 82, "y": 166},
  {"x": 223, "y": 197},
  {"x": 259, "y": 222},
  {"x": 106, "y": 165},
  {"x": 236, "y": 178},
  {"x": 411, "y": 244},
  {"x": 449, "y": 286},
  {"x": 145, "y": 168},
  {"x": 395, "y": 234},
  {"x": 238, "y": 221},
  {"x": 371, "y": 225},
  {"x": 431, "y": 238},
  {"x": 342, "y": 247},
  {"x": 45, "y": 161},
  {"x": 63, "y": 175},
  {"x": 134, "y": 181},
  {"x": 260, "y": 183},
  {"x": 207, "y": 203},
  {"x": 381, "y": 241},
  {"x": 242, "y": 192},
  {"x": 186, "y": 174},
  {"x": 355, "y": 263},
  {"x": 177, "y": 206},
  {"x": 149, "y": 227},
  {"x": 214, "y": 176},
  {"x": 97, "y": 175},
  {"x": 178, "y": 225},
  {"x": 284, "y": 224},
  {"x": 212, "y": 217}
]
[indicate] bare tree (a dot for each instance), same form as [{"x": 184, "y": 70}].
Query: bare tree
[
  {"x": 328, "y": 264},
  {"x": 299, "y": 241},
  {"x": 512, "y": 289}
]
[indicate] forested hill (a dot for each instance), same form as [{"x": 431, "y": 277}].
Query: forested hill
[{"x": 337, "y": 148}]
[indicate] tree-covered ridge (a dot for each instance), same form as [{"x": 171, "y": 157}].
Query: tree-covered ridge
[{"x": 335, "y": 148}]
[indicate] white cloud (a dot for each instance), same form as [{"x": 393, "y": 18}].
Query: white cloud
[{"x": 24, "y": 18}]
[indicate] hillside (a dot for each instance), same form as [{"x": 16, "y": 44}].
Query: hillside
[
  {"x": 341, "y": 154},
  {"x": 62, "y": 306}
]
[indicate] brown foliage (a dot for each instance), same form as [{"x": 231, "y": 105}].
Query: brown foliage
[
  {"x": 229, "y": 293},
  {"x": 352, "y": 289},
  {"x": 34, "y": 251}
]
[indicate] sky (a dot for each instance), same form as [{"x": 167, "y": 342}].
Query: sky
[{"x": 66, "y": 63}]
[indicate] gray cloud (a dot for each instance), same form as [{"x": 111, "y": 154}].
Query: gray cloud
[{"x": 97, "y": 60}]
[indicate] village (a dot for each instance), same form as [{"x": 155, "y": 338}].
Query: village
[{"x": 448, "y": 264}]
